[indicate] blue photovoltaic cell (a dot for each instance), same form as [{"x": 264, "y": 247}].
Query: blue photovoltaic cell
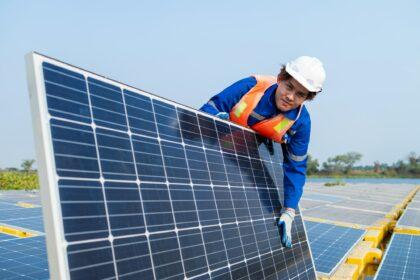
[
  {"x": 330, "y": 244},
  {"x": 23, "y": 258},
  {"x": 410, "y": 218},
  {"x": 66, "y": 94},
  {"x": 401, "y": 260},
  {"x": 74, "y": 150},
  {"x": 107, "y": 105},
  {"x": 152, "y": 190}
]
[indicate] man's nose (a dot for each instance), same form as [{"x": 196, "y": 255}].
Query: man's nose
[{"x": 290, "y": 95}]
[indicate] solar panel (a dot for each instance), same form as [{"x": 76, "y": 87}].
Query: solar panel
[
  {"x": 415, "y": 205},
  {"x": 330, "y": 244},
  {"x": 372, "y": 206},
  {"x": 402, "y": 258},
  {"x": 306, "y": 204},
  {"x": 358, "y": 216},
  {"x": 16, "y": 216},
  {"x": 323, "y": 197},
  {"x": 16, "y": 196},
  {"x": 137, "y": 187},
  {"x": 23, "y": 258},
  {"x": 416, "y": 197},
  {"x": 410, "y": 218}
]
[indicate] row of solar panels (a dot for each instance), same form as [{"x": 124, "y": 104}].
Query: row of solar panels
[
  {"x": 402, "y": 257},
  {"x": 330, "y": 244},
  {"x": 22, "y": 258},
  {"x": 359, "y": 206}
]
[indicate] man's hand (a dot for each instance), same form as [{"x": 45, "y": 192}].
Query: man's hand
[
  {"x": 285, "y": 224},
  {"x": 223, "y": 115}
]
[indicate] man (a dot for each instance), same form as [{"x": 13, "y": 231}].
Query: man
[{"x": 273, "y": 107}]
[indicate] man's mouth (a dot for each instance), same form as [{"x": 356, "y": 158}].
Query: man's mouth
[{"x": 285, "y": 102}]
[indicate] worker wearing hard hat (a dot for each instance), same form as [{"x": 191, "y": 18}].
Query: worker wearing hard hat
[{"x": 273, "y": 107}]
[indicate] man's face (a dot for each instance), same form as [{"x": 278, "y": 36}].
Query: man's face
[{"x": 290, "y": 94}]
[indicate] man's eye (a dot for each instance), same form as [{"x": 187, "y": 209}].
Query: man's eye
[{"x": 301, "y": 95}]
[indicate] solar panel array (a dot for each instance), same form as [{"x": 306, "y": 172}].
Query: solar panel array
[
  {"x": 145, "y": 188},
  {"x": 330, "y": 244},
  {"x": 23, "y": 258},
  {"x": 402, "y": 259}
]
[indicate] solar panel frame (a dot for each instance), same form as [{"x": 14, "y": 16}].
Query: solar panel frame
[{"x": 58, "y": 259}]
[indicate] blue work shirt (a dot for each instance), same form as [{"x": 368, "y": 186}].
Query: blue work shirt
[{"x": 297, "y": 138}]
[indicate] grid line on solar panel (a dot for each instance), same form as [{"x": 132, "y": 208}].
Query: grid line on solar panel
[
  {"x": 156, "y": 179},
  {"x": 401, "y": 259},
  {"x": 102, "y": 181}
]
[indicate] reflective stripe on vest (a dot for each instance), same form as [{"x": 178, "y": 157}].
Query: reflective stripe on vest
[{"x": 273, "y": 128}]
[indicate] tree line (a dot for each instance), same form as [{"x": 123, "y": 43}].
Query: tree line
[
  {"x": 26, "y": 166},
  {"x": 345, "y": 165}
]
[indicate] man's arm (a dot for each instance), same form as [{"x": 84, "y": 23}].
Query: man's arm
[
  {"x": 294, "y": 167},
  {"x": 227, "y": 99},
  {"x": 294, "y": 164}
]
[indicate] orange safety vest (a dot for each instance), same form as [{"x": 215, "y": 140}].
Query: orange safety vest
[{"x": 273, "y": 128}]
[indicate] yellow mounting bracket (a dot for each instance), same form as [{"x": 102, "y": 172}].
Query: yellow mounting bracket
[
  {"x": 383, "y": 225},
  {"x": 395, "y": 212},
  {"x": 26, "y": 205},
  {"x": 375, "y": 236},
  {"x": 407, "y": 230},
  {"x": 16, "y": 232},
  {"x": 363, "y": 254},
  {"x": 346, "y": 272}
]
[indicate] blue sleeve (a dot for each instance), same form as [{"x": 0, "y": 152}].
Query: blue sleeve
[
  {"x": 294, "y": 164},
  {"x": 227, "y": 99}
]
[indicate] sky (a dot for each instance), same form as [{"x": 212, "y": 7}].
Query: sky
[{"x": 188, "y": 51}]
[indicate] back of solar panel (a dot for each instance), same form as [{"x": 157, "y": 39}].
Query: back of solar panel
[{"x": 138, "y": 187}]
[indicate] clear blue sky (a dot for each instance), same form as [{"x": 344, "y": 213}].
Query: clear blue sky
[{"x": 189, "y": 50}]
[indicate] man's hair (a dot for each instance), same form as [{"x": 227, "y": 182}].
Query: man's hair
[{"x": 284, "y": 76}]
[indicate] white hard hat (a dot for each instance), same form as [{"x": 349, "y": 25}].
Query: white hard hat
[{"x": 308, "y": 71}]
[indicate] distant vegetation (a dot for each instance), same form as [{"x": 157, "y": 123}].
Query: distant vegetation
[
  {"x": 345, "y": 166},
  {"x": 334, "y": 183},
  {"x": 19, "y": 179}
]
